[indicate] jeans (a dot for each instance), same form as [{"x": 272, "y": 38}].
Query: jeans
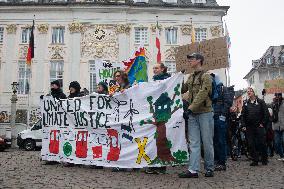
[
  {"x": 279, "y": 140},
  {"x": 201, "y": 126},
  {"x": 257, "y": 143},
  {"x": 220, "y": 141}
]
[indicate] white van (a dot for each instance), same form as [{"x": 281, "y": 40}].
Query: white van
[{"x": 31, "y": 138}]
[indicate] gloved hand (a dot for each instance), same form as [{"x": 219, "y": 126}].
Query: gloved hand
[{"x": 41, "y": 97}]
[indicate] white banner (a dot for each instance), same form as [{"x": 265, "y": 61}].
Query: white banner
[{"x": 141, "y": 127}]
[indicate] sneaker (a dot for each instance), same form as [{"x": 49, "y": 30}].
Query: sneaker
[
  {"x": 220, "y": 168},
  {"x": 150, "y": 171},
  {"x": 117, "y": 169},
  {"x": 209, "y": 173},
  {"x": 188, "y": 174},
  {"x": 280, "y": 159},
  {"x": 254, "y": 163}
]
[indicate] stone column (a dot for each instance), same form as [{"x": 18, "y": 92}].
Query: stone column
[{"x": 75, "y": 29}]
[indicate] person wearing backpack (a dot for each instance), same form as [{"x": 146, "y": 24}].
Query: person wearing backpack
[
  {"x": 255, "y": 117},
  {"x": 200, "y": 118},
  {"x": 222, "y": 101}
]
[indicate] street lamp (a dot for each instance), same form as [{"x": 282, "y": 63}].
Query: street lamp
[
  {"x": 15, "y": 87},
  {"x": 13, "y": 114}
]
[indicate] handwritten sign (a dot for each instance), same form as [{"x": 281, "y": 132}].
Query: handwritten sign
[
  {"x": 215, "y": 54},
  {"x": 274, "y": 86},
  {"x": 142, "y": 127}
]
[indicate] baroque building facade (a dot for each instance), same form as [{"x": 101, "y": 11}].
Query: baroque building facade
[{"x": 71, "y": 35}]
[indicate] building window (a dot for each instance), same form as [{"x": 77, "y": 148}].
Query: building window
[
  {"x": 141, "y": 35},
  {"x": 268, "y": 60},
  {"x": 56, "y": 71},
  {"x": 170, "y": 1},
  {"x": 171, "y": 35},
  {"x": 198, "y": 1},
  {"x": 24, "y": 72},
  {"x": 58, "y": 35},
  {"x": 93, "y": 78},
  {"x": 171, "y": 66},
  {"x": 26, "y": 32},
  {"x": 282, "y": 58},
  {"x": 200, "y": 34},
  {"x": 1, "y": 34}
]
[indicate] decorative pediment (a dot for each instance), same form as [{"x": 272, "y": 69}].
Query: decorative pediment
[
  {"x": 123, "y": 28},
  {"x": 76, "y": 27},
  {"x": 216, "y": 31},
  {"x": 56, "y": 52},
  {"x": 23, "y": 51},
  {"x": 154, "y": 27},
  {"x": 42, "y": 28},
  {"x": 186, "y": 29},
  {"x": 11, "y": 28},
  {"x": 170, "y": 53}
]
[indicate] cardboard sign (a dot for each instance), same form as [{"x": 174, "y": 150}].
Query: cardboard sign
[
  {"x": 274, "y": 86},
  {"x": 141, "y": 127},
  {"x": 215, "y": 54}
]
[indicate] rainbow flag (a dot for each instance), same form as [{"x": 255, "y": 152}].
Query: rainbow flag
[{"x": 136, "y": 67}]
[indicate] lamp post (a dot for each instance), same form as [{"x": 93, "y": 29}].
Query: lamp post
[{"x": 13, "y": 114}]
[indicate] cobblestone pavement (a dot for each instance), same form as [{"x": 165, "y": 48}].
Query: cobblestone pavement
[{"x": 21, "y": 169}]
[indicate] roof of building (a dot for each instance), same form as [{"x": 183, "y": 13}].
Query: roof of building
[
  {"x": 270, "y": 59},
  {"x": 151, "y": 3}
]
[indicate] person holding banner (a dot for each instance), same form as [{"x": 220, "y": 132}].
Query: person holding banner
[
  {"x": 74, "y": 88},
  {"x": 102, "y": 88},
  {"x": 200, "y": 117},
  {"x": 56, "y": 91},
  {"x": 122, "y": 79},
  {"x": 160, "y": 73}
]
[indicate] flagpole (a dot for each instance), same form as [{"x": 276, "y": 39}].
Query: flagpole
[{"x": 158, "y": 44}]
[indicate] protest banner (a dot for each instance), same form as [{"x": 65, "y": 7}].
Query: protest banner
[
  {"x": 105, "y": 71},
  {"x": 141, "y": 127},
  {"x": 274, "y": 86},
  {"x": 215, "y": 54}
]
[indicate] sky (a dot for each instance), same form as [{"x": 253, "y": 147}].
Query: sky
[{"x": 254, "y": 26}]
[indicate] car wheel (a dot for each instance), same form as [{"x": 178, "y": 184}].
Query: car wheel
[{"x": 29, "y": 145}]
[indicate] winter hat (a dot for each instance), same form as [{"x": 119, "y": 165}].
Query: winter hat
[
  {"x": 75, "y": 85},
  {"x": 56, "y": 82},
  {"x": 104, "y": 85}
]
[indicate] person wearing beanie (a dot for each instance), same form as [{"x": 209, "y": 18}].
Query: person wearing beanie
[
  {"x": 74, "y": 88},
  {"x": 102, "y": 88},
  {"x": 255, "y": 118},
  {"x": 56, "y": 90}
]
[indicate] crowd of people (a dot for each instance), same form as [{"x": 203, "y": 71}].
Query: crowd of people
[{"x": 215, "y": 128}]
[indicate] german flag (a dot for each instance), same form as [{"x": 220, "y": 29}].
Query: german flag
[{"x": 30, "y": 54}]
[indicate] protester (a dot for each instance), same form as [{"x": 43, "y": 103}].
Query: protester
[
  {"x": 102, "y": 88},
  {"x": 255, "y": 119},
  {"x": 200, "y": 121},
  {"x": 160, "y": 73},
  {"x": 56, "y": 90},
  {"x": 74, "y": 88},
  {"x": 122, "y": 80},
  {"x": 278, "y": 124},
  {"x": 221, "y": 105}
]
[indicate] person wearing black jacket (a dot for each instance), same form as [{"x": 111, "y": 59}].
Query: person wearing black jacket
[
  {"x": 74, "y": 88},
  {"x": 255, "y": 119},
  {"x": 56, "y": 90}
]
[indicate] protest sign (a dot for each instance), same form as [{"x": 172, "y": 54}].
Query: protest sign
[
  {"x": 215, "y": 54},
  {"x": 274, "y": 86},
  {"x": 141, "y": 127},
  {"x": 105, "y": 71}
]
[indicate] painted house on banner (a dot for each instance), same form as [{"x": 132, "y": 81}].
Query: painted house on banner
[
  {"x": 70, "y": 36},
  {"x": 269, "y": 67}
]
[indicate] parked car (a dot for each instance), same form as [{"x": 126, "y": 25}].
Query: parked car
[
  {"x": 31, "y": 138},
  {"x": 4, "y": 144}
]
